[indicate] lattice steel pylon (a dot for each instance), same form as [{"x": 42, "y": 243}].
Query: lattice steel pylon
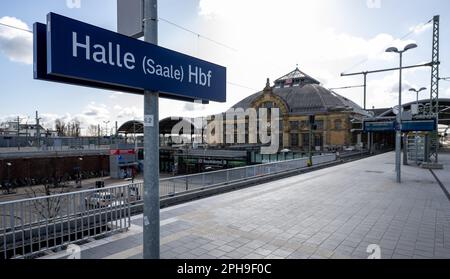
[{"x": 434, "y": 101}]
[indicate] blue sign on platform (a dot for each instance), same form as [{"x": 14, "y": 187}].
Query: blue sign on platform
[
  {"x": 419, "y": 126},
  {"x": 83, "y": 54},
  {"x": 386, "y": 126},
  {"x": 406, "y": 126}
]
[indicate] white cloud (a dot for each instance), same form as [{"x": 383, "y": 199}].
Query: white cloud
[
  {"x": 127, "y": 113},
  {"x": 383, "y": 92},
  {"x": 270, "y": 42},
  {"x": 446, "y": 93},
  {"x": 97, "y": 111},
  {"x": 17, "y": 45}
]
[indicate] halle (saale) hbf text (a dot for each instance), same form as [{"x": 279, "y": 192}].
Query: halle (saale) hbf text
[{"x": 114, "y": 56}]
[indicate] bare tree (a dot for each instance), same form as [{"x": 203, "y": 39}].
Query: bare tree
[
  {"x": 60, "y": 127},
  {"x": 76, "y": 128},
  {"x": 92, "y": 130},
  {"x": 50, "y": 206}
]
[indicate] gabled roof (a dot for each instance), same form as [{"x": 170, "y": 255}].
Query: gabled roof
[
  {"x": 296, "y": 75},
  {"x": 303, "y": 95},
  {"x": 308, "y": 99}
]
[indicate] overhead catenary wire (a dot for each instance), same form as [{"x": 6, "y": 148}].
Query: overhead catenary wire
[
  {"x": 242, "y": 86},
  {"x": 197, "y": 34},
  {"x": 15, "y": 27},
  {"x": 413, "y": 30},
  {"x": 346, "y": 87},
  {"x": 161, "y": 19}
]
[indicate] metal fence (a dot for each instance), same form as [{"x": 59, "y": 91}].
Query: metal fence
[
  {"x": 182, "y": 184},
  {"x": 57, "y": 143},
  {"x": 32, "y": 226}
]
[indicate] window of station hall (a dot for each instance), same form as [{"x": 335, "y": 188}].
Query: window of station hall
[
  {"x": 295, "y": 125},
  {"x": 338, "y": 124},
  {"x": 319, "y": 124},
  {"x": 294, "y": 140}
]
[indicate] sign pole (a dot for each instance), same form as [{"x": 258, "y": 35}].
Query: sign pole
[
  {"x": 398, "y": 139},
  {"x": 151, "y": 236}
]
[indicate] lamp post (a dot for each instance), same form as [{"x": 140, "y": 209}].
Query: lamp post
[{"x": 398, "y": 141}]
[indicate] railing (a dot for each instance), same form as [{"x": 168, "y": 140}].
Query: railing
[
  {"x": 32, "y": 226},
  {"x": 181, "y": 184}
]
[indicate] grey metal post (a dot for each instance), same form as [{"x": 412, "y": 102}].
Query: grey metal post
[
  {"x": 38, "y": 130},
  {"x": 151, "y": 236},
  {"x": 365, "y": 90},
  {"x": 405, "y": 150},
  {"x": 18, "y": 133},
  {"x": 98, "y": 136},
  {"x": 369, "y": 146},
  {"x": 398, "y": 142}
]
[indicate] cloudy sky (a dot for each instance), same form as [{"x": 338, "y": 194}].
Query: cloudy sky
[{"x": 259, "y": 39}]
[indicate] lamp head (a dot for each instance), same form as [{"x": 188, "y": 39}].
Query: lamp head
[
  {"x": 410, "y": 46},
  {"x": 413, "y": 90},
  {"x": 422, "y": 89},
  {"x": 392, "y": 49}
]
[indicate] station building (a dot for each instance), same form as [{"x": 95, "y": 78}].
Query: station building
[{"x": 298, "y": 96}]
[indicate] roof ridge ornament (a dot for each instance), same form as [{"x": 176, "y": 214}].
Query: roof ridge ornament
[{"x": 268, "y": 88}]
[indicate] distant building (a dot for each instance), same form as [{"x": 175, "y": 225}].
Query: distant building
[{"x": 25, "y": 130}]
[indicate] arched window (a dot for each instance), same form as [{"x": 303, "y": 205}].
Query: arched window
[{"x": 338, "y": 124}]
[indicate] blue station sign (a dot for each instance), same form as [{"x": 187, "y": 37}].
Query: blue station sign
[
  {"x": 407, "y": 126},
  {"x": 80, "y": 53},
  {"x": 386, "y": 126},
  {"x": 419, "y": 126}
]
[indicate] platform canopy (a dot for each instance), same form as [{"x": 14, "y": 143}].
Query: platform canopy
[
  {"x": 165, "y": 126},
  {"x": 444, "y": 110}
]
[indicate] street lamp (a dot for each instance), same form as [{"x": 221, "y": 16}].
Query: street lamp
[
  {"x": 398, "y": 141},
  {"x": 417, "y": 92}
]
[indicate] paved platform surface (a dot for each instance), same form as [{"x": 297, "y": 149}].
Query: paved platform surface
[{"x": 332, "y": 213}]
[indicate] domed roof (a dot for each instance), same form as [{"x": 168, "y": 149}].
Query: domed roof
[{"x": 304, "y": 96}]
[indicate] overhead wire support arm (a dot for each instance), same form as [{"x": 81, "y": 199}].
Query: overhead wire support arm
[
  {"x": 430, "y": 64},
  {"x": 347, "y": 87}
]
